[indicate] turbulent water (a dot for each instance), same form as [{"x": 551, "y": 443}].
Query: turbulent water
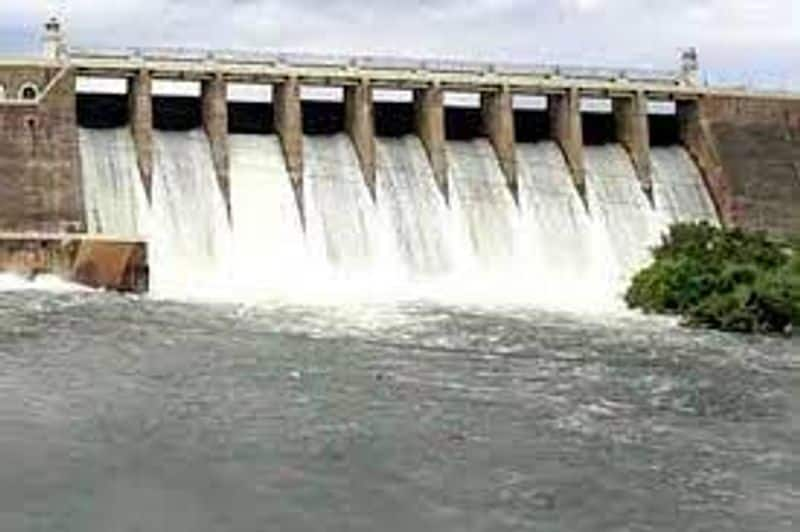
[
  {"x": 678, "y": 189},
  {"x": 550, "y": 248},
  {"x": 115, "y": 200},
  {"x": 484, "y": 209},
  {"x": 616, "y": 200},
  {"x": 340, "y": 215},
  {"x": 191, "y": 233},
  {"x": 412, "y": 206},
  {"x": 127, "y": 414},
  {"x": 566, "y": 252},
  {"x": 268, "y": 243}
]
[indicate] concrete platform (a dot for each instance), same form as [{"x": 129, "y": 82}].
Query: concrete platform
[{"x": 91, "y": 260}]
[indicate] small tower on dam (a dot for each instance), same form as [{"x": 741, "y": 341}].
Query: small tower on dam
[
  {"x": 690, "y": 66},
  {"x": 55, "y": 42}
]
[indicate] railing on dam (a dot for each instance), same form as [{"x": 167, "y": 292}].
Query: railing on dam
[
  {"x": 391, "y": 71},
  {"x": 380, "y": 62}
]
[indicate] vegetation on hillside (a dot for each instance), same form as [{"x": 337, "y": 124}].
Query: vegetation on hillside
[{"x": 722, "y": 278}]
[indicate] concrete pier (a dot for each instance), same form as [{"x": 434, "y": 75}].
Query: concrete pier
[
  {"x": 90, "y": 260},
  {"x": 498, "y": 120},
  {"x": 429, "y": 119},
  {"x": 633, "y": 132},
  {"x": 567, "y": 130},
  {"x": 696, "y": 136},
  {"x": 289, "y": 126},
  {"x": 214, "y": 96},
  {"x": 140, "y": 93},
  {"x": 360, "y": 125}
]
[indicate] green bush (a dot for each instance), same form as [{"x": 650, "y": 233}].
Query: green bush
[{"x": 724, "y": 279}]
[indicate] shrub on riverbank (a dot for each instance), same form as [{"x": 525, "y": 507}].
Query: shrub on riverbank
[{"x": 722, "y": 278}]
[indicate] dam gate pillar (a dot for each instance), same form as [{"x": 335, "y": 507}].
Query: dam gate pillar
[
  {"x": 497, "y": 110},
  {"x": 429, "y": 120},
  {"x": 140, "y": 94},
  {"x": 698, "y": 139},
  {"x": 633, "y": 132},
  {"x": 360, "y": 126},
  {"x": 214, "y": 96},
  {"x": 289, "y": 126},
  {"x": 567, "y": 129}
]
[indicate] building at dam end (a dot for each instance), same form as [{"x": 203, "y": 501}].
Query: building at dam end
[{"x": 746, "y": 145}]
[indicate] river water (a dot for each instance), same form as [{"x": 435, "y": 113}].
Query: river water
[
  {"x": 128, "y": 414},
  {"x": 339, "y": 399}
]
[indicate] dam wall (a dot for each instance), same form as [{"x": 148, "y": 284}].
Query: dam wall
[
  {"x": 745, "y": 145},
  {"x": 752, "y": 158},
  {"x": 462, "y": 163},
  {"x": 40, "y": 179}
]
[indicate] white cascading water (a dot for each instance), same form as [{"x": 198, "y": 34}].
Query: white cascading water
[
  {"x": 616, "y": 200},
  {"x": 413, "y": 208},
  {"x": 565, "y": 252},
  {"x": 485, "y": 216},
  {"x": 679, "y": 192},
  {"x": 548, "y": 249},
  {"x": 341, "y": 218},
  {"x": 268, "y": 245},
  {"x": 191, "y": 237},
  {"x": 115, "y": 200}
]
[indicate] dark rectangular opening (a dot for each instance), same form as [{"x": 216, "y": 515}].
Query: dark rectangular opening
[
  {"x": 531, "y": 125},
  {"x": 103, "y": 111},
  {"x": 394, "y": 119},
  {"x": 251, "y": 118},
  {"x": 664, "y": 129},
  {"x": 177, "y": 113},
  {"x": 323, "y": 118},
  {"x": 463, "y": 123},
  {"x": 598, "y": 128}
]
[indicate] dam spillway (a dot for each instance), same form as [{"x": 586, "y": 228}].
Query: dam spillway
[
  {"x": 412, "y": 208},
  {"x": 340, "y": 216},
  {"x": 267, "y": 234},
  {"x": 545, "y": 239},
  {"x": 190, "y": 234},
  {"x": 291, "y": 192},
  {"x": 678, "y": 188},
  {"x": 114, "y": 198}
]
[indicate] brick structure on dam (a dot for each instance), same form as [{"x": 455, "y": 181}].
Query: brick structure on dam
[
  {"x": 39, "y": 161},
  {"x": 747, "y": 144}
]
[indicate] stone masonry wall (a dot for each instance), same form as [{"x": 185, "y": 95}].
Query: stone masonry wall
[
  {"x": 40, "y": 185},
  {"x": 757, "y": 141}
]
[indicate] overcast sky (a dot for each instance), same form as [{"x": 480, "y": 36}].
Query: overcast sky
[{"x": 741, "y": 40}]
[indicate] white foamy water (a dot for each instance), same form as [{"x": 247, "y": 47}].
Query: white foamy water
[
  {"x": 679, "y": 193},
  {"x": 191, "y": 236},
  {"x": 617, "y": 201},
  {"x": 10, "y": 282},
  {"x": 341, "y": 218},
  {"x": 486, "y": 217},
  {"x": 566, "y": 253},
  {"x": 268, "y": 242},
  {"x": 115, "y": 199},
  {"x": 483, "y": 248},
  {"x": 412, "y": 206}
]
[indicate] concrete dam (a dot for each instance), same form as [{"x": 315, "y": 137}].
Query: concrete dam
[{"x": 129, "y": 168}]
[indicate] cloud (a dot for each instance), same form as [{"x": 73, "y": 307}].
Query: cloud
[{"x": 758, "y": 38}]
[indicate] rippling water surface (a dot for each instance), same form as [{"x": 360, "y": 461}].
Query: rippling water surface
[{"x": 122, "y": 414}]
